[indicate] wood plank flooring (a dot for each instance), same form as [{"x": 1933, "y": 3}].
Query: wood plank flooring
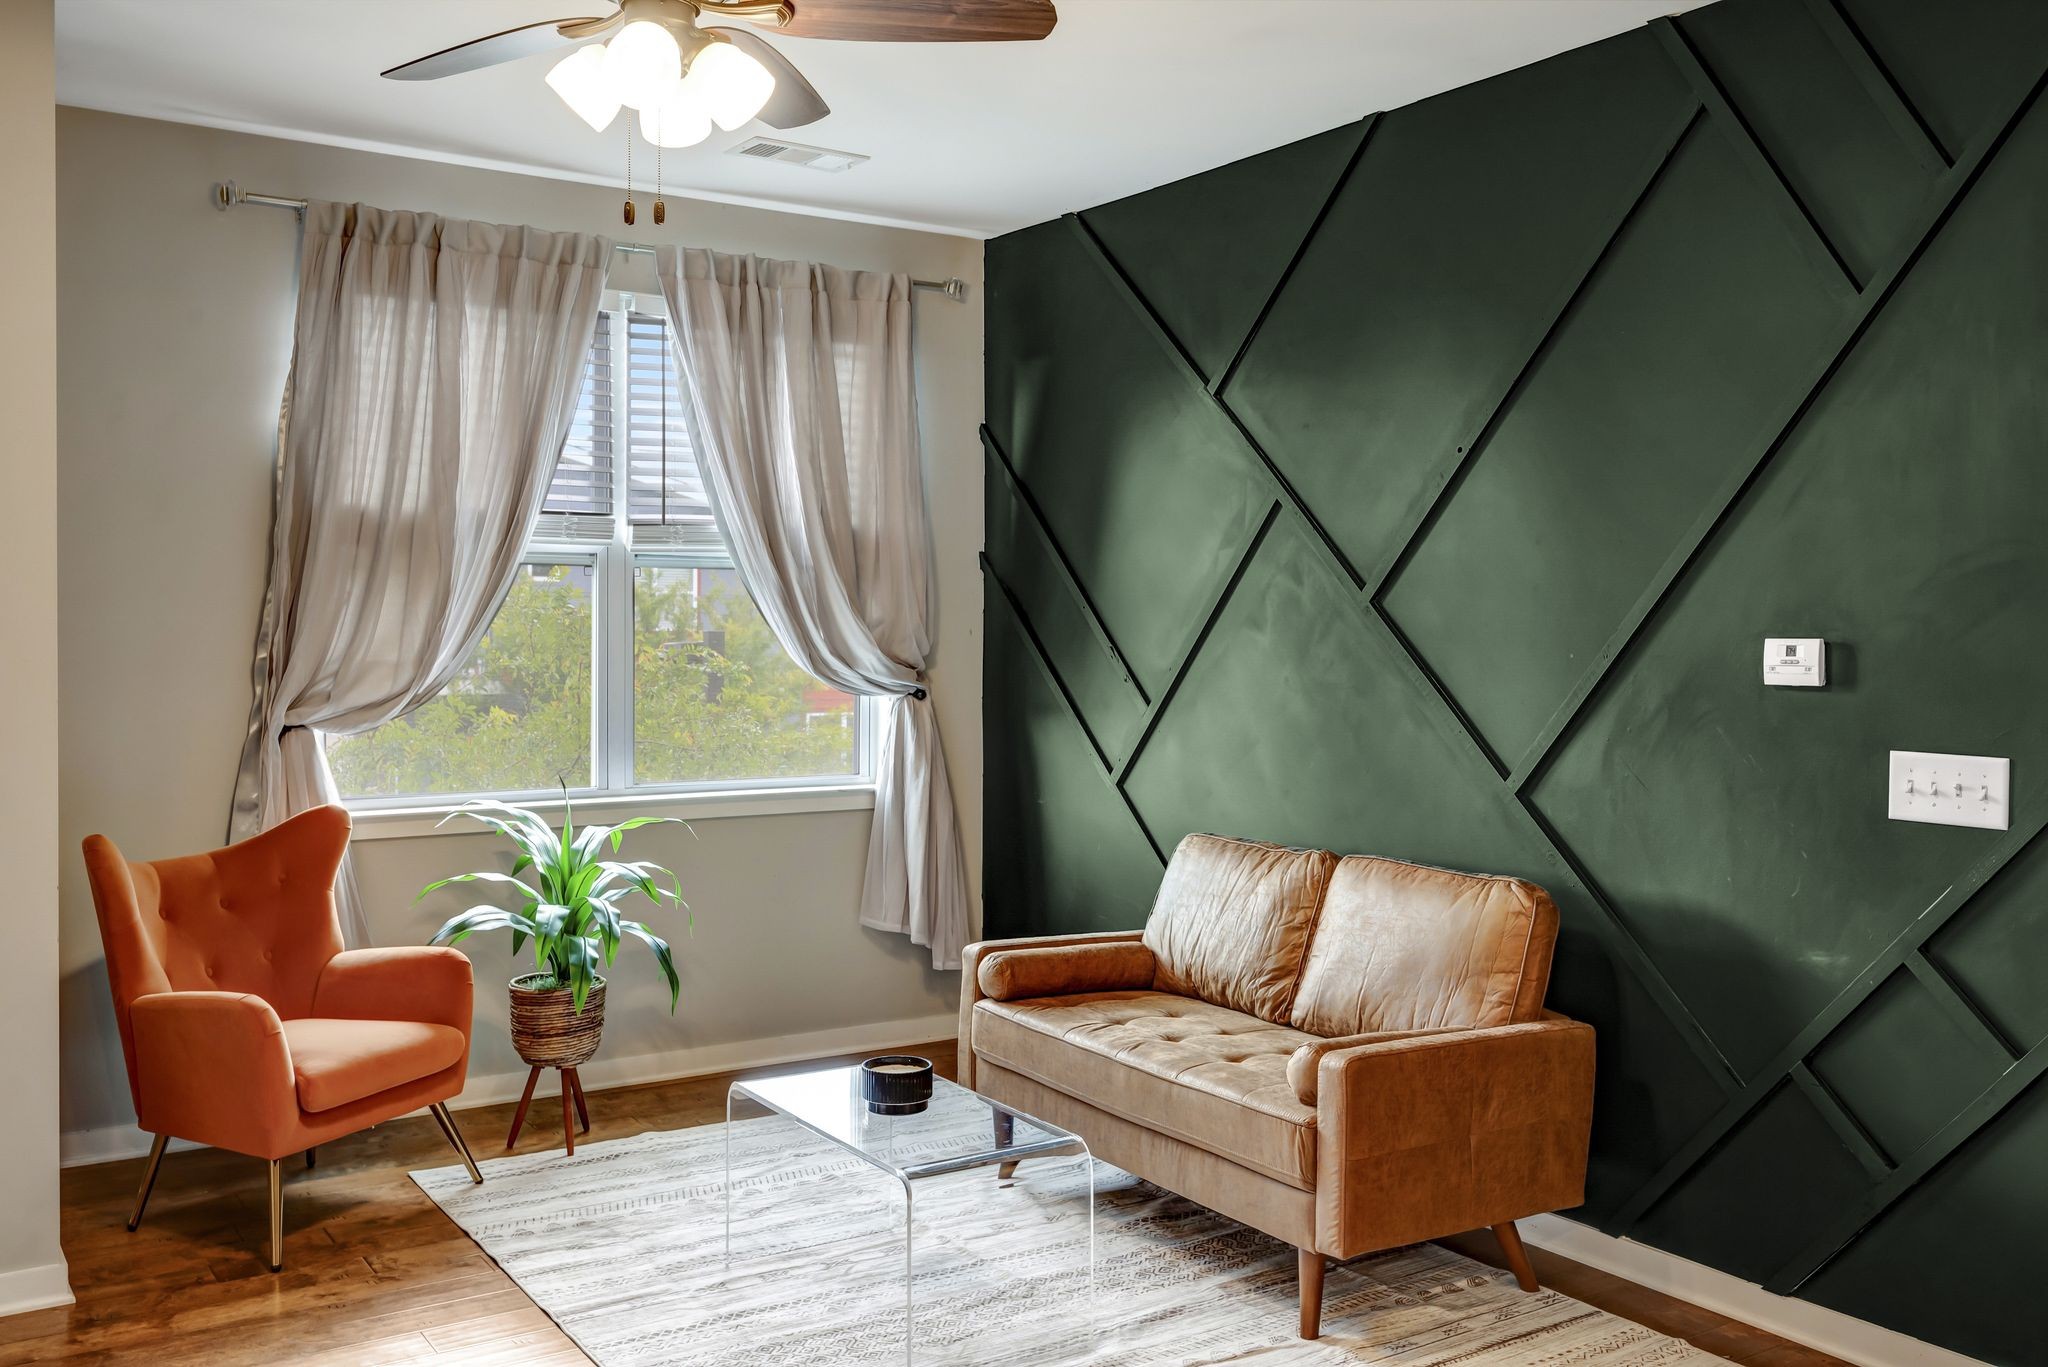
[{"x": 375, "y": 1274}]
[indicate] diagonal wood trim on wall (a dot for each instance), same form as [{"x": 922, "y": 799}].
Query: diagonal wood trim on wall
[{"x": 1701, "y": 1073}]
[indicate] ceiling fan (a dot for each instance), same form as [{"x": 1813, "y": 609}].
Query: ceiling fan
[{"x": 681, "y": 77}]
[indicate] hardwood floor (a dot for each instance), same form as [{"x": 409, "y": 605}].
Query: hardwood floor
[{"x": 374, "y": 1273}]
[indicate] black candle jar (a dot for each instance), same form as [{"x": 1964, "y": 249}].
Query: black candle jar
[{"x": 896, "y": 1084}]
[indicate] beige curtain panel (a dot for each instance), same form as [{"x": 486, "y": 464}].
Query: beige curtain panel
[
  {"x": 805, "y": 405},
  {"x": 435, "y": 370}
]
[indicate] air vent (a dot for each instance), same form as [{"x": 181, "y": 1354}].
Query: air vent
[{"x": 796, "y": 154}]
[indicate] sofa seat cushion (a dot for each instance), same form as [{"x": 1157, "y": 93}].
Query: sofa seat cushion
[
  {"x": 339, "y": 1061},
  {"x": 1210, "y": 1076}
]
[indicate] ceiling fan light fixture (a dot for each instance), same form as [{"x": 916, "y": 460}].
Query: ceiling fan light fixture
[
  {"x": 642, "y": 64},
  {"x": 731, "y": 86},
  {"x": 579, "y": 80},
  {"x": 680, "y": 120}
]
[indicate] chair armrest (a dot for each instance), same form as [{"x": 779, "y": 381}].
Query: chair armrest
[
  {"x": 212, "y": 1067},
  {"x": 1010, "y": 975},
  {"x": 431, "y": 984},
  {"x": 970, "y": 980},
  {"x": 1430, "y": 1135},
  {"x": 1304, "y": 1065}
]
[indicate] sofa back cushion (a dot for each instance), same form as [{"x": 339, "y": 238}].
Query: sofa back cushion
[
  {"x": 1233, "y": 921},
  {"x": 1406, "y": 947}
]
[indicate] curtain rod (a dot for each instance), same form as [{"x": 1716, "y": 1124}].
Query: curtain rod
[{"x": 227, "y": 194}]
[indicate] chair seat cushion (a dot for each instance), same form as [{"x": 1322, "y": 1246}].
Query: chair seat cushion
[
  {"x": 339, "y": 1061},
  {"x": 1207, "y": 1075}
]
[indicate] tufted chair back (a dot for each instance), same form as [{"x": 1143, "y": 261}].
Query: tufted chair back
[{"x": 256, "y": 917}]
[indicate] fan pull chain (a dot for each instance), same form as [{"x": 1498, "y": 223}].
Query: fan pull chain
[
  {"x": 630, "y": 214},
  {"x": 660, "y": 209}
]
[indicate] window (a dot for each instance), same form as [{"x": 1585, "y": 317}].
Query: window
[{"x": 627, "y": 657}]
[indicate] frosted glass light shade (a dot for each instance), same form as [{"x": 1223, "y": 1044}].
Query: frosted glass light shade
[
  {"x": 642, "y": 64},
  {"x": 731, "y": 85},
  {"x": 579, "y": 80},
  {"x": 680, "y": 120}
]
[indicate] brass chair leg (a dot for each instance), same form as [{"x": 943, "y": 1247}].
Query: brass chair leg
[
  {"x": 276, "y": 1215},
  {"x": 156, "y": 1158},
  {"x": 449, "y": 1128}
]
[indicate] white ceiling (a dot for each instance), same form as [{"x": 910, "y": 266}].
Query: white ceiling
[{"x": 971, "y": 138}]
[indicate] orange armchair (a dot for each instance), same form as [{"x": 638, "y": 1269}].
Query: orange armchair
[{"x": 247, "y": 1026}]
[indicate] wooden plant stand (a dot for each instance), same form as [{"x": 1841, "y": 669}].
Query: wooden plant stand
[{"x": 572, "y": 1091}]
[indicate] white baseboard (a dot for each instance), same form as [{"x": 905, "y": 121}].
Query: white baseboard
[
  {"x": 1788, "y": 1317},
  {"x": 35, "y": 1288},
  {"x": 109, "y": 1143}
]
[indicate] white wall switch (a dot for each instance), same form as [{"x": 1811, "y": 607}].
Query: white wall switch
[
  {"x": 1801, "y": 661},
  {"x": 1951, "y": 790}
]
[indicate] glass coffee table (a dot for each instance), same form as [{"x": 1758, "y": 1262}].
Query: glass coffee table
[{"x": 959, "y": 1130}]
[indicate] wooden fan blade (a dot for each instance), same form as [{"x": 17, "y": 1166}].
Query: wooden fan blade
[
  {"x": 795, "y": 102},
  {"x": 918, "y": 21},
  {"x": 508, "y": 46}
]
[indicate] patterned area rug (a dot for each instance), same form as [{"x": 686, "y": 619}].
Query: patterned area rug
[{"x": 623, "y": 1245}]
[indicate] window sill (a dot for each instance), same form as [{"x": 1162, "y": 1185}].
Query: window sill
[{"x": 400, "y": 823}]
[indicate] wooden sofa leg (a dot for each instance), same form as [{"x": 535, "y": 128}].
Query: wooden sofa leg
[
  {"x": 1309, "y": 1267},
  {"x": 1517, "y": 1256}
]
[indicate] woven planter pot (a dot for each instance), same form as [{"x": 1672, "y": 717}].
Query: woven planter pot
[{"x": 548, "y": 1031}]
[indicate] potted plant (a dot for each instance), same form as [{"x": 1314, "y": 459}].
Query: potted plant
[{"x": 569, "y": 908}]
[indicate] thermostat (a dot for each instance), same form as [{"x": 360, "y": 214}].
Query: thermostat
[{"x": 1798, "y": 661}]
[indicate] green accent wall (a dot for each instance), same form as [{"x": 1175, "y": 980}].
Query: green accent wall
[{"x": 1427, "y": 488}]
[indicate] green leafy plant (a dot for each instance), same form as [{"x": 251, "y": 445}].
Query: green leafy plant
[{"x": 569, "y": 898}]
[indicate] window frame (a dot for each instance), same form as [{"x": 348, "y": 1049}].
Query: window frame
[{"x": 613, "y": 564}]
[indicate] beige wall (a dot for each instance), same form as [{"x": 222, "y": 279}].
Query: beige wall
[
  {"x": 177, "y": 319},
  {"x": 31, "y": 1263}
]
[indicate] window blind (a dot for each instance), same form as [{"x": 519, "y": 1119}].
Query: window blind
[
  {"x": 665, "y": 501},
  {"x": 579, "y": 502},
  {"x": 631, "y": 402}
]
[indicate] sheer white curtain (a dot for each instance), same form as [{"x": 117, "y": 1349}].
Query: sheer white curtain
[
  {"x": 435, "y": 369},
  {"x": 800, "y": 379}
]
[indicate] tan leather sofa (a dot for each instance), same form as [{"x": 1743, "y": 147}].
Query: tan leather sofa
[{"x": 1349, "y": 1054}]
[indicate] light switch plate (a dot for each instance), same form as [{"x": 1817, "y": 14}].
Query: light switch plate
[
  {"x": 1951, "y": 790},
  {"x": 1800, "y": 661}
]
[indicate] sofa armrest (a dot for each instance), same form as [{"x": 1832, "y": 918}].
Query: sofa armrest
[
  {"x": 1304, "y": 1065},
  {"x": 1010, "y": 975},
  {"x": 1431, "y": 1135},
  {"x": 213, "y": 1067},
  {"x": 970, "y": 980},
  {"x": 431, "y": 984}
]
